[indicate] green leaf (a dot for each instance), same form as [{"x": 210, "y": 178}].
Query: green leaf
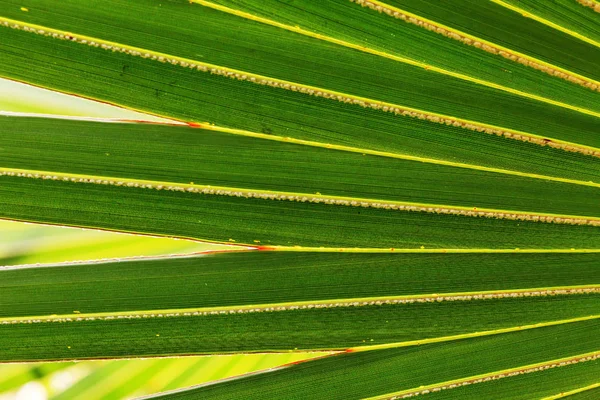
[
  {"x": 364, "y": 29},
  {"x": 564, "y": 15},
  {"x": 549, "y": 384},
  {"x": 586, "y": 393},
  {"x": 258, "y": 279},
  {"x": 427, "y": 208}
]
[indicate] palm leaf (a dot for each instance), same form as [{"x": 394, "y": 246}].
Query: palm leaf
[{"x": 411, "y": 186}]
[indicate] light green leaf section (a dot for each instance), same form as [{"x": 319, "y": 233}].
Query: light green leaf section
[
  {"x": 399, "y": 371},
  {"x": 120, "y": 379},
  {"x": 17, "y": 97},
  {"x": 28, "y": 244}
]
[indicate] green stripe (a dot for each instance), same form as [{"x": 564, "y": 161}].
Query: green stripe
[
  {"x": 249, "y": 278},
  {"x": 565, "y": 13},
  {"x": 340, "y": 19},
  {"x": 536, "y": 385},
  {"x": 590, "y": 394}
]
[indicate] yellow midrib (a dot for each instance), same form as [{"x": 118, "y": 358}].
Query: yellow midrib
[
  {"x": 529, "y": 14},
  {"x": 364, "y": 151},
  {"x": 572, "y": 392}
]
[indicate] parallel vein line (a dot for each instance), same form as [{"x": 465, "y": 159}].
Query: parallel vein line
[
  {"x": 491, "y": 376},
  {"x": 572, "y": 392},
  {"x": 422, "y": 250},
  {"x": 306, "y": 89},
  {"x": 311, "y": 304},
  {"x": 394, "y": 57},
  {"x": 529, "y": 14},
  {"x": 420, "y": 342},
  {"x": 480, "y": 43},
  {"x": 311, "y": 143},
  {"x": 303, "y": 197}
]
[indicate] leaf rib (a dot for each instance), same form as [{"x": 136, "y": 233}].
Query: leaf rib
[
  {"x": 594, "y": 5},
  {"x": 310, "y": 143},
  {"x": 573, "y": 392},
  {"x": 305, "y": 305}
]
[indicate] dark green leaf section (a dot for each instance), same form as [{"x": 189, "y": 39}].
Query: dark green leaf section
[
  {"x": 365, "y": 374},
  {"x": 340, "y": 19},
  {"x": 565, "y": 13},
  {"x": 324, "y": 328},
  {"x": 286, "y": 223},
  {"x": 235, "y": 42},
  {"x": 535, "y": 385},
  {"x": 502, "y": 26},
  {"x": 277, "y": 277},
  {"x": 184, "y": 155},
  {"x": 195, "y": 96}
]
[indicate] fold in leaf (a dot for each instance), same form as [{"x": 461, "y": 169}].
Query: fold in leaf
[{"x": 291, "y": 280}]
